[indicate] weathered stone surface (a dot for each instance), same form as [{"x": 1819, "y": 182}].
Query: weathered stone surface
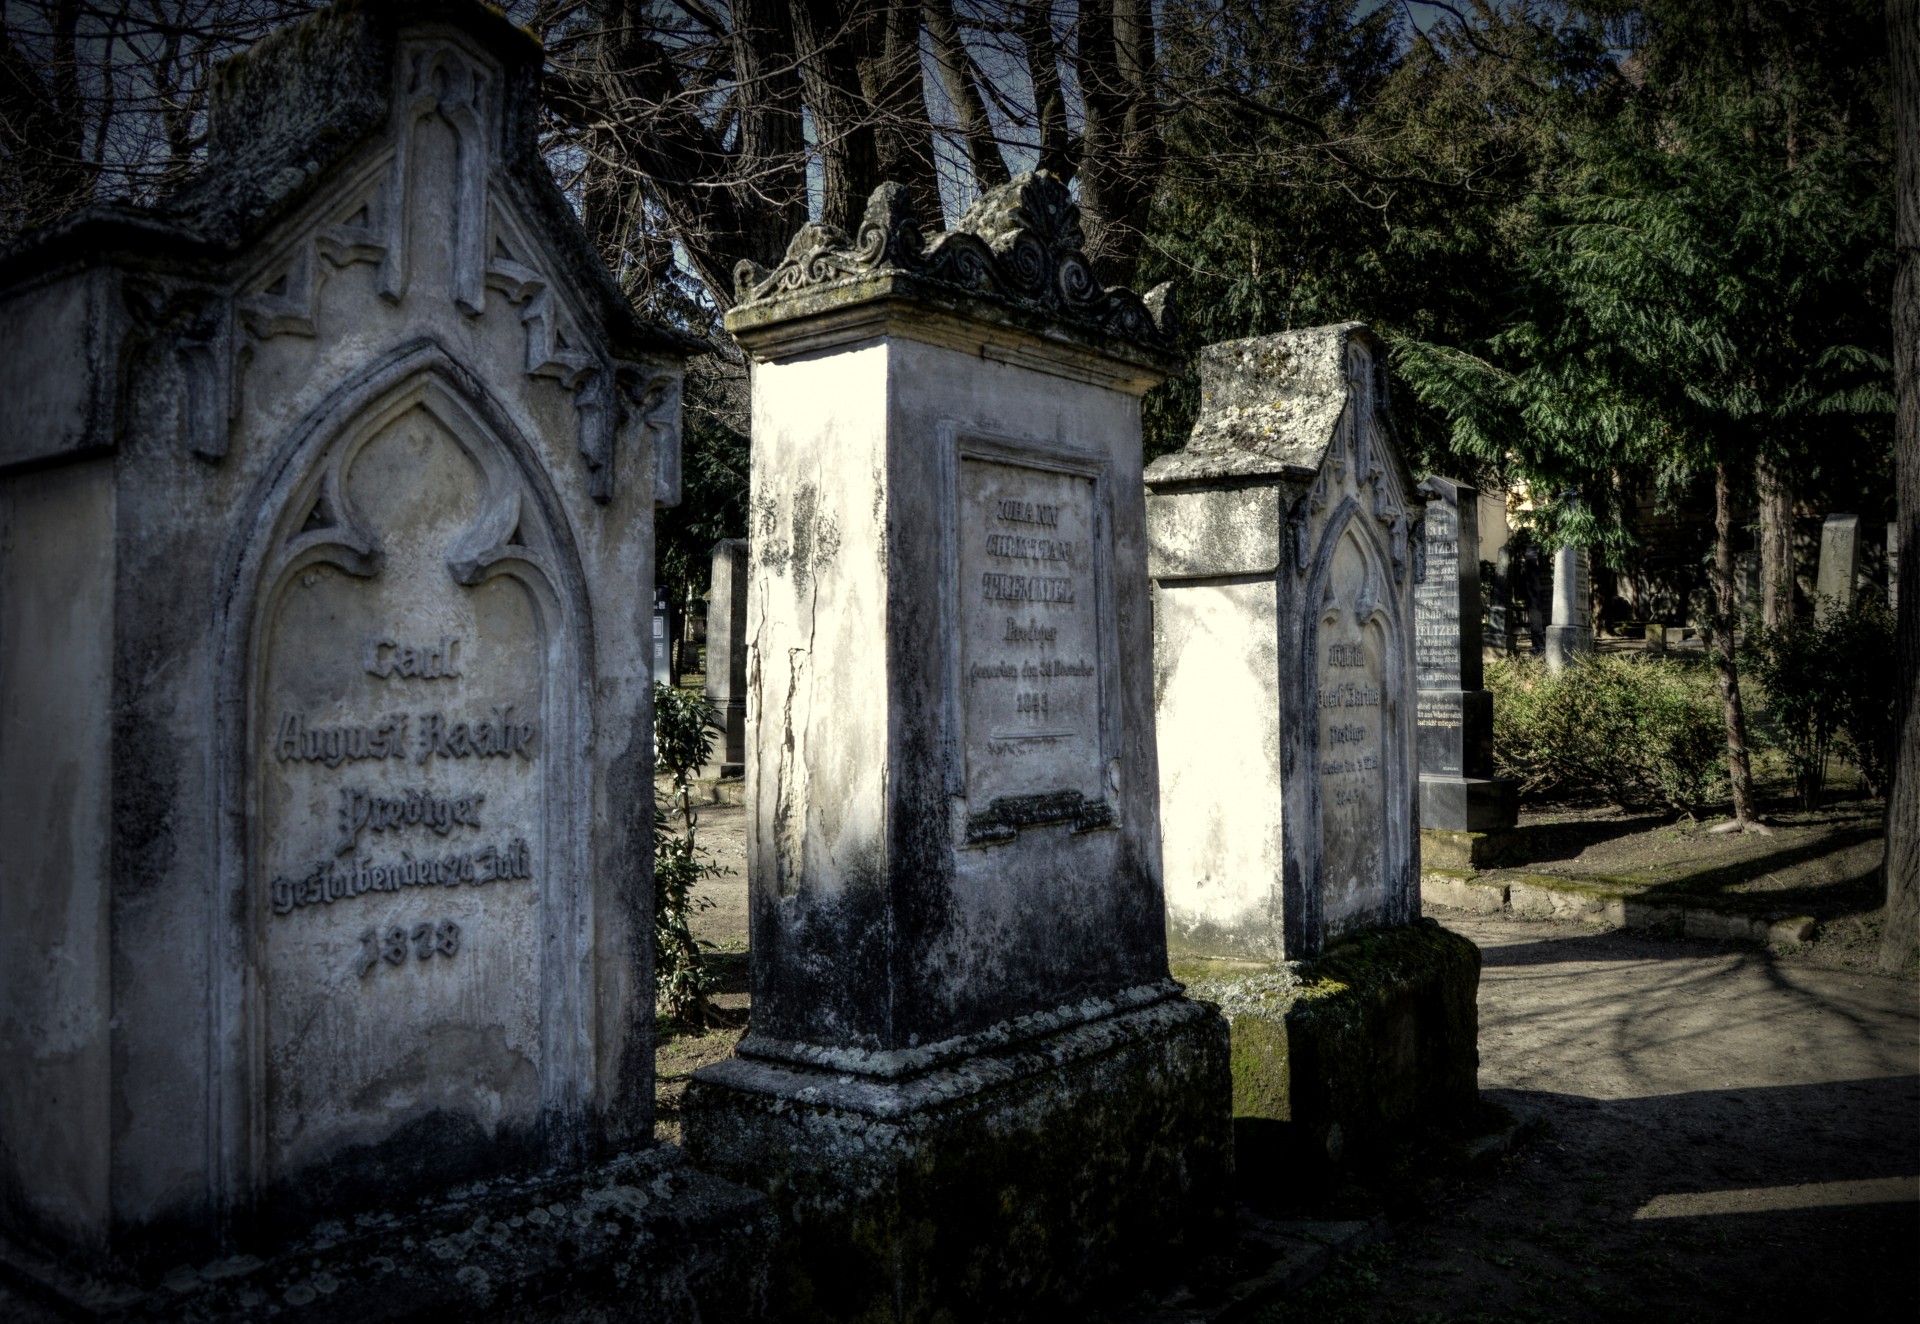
[
  {"x": 727, "y": 654},
  {"x": 1570, "y": 636},
  {"x": 1835, "y": 589},
  {"x": 1338, "y": 1056},
  {"x": 953, "y": 822},
  {"x": 1458, "y": 791},
  {"x": 1279, "y": 545},
  {"x": 1029, "y": 1181},
  {"x": 326, "y": 857}
]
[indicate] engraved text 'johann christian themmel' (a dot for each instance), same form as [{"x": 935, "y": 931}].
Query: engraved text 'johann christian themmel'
[{"x": 1020, "y": 243}]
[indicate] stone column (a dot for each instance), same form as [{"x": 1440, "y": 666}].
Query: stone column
[
  {"x": 969, "y": 1083},
  {"x": 727, "y": 653},
  {"x": 1283, "y": 559},
  {"x": 1571, "y": 634},
  {"x": 1458, "y": 791},
  {"x": 1839, "y": 565}
]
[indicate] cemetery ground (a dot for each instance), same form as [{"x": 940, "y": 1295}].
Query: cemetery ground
[{"x": 1708, "y": 1130}]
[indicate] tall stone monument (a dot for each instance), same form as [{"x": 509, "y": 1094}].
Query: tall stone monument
[
  {"x": 1839, "y": 564},
  {"x": 727, "y": 653},
  {"x": 1283, "y": 543},
  {"x": 328, "y": 493},
  {"x": 1570, "y": 636},
  {"x": 969, "y": 1084},
  {"x": 1458, "y": 791}
]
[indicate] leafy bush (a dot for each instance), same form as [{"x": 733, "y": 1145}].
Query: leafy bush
[
  {"x": 1639, "y": 731},
  {"x": 683, "y": 726},
  {"x": 1826, "y": 682}
]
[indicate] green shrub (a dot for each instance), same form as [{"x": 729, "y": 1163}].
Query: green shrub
[
  {"x": 1828, "y": 682},
  {"x": 683, "y": 727},
  {"x": 1636, "y": 730}
]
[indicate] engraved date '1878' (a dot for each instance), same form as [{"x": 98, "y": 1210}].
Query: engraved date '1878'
[{"x": 426, "y": 940}]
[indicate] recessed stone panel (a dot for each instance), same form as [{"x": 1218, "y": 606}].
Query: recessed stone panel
[
  {"x": 1029, "y": 609},
  {"x": 401, "y": 746},
  {"x": 1353, "y": 828}
]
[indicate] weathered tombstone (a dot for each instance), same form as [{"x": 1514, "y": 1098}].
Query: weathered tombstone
[
  {"x": 1746, "y": 583},
  {"x": 1536, "y": 590},
  {"x": 727, "y": 652},
  {"x": 970, "y": 1085},
  {"x": 1839, "y": 565},
  {"x": 1282, "y": 542},
  {"x": 1893, "y": 567},
  {"x": 662, "y": 636},
  {"x": 1571, "y": 635},
  {"x": 1497, "y": 551},
  {"x": 1458, "y": 792},
  {"x": 328, "y": 496}
]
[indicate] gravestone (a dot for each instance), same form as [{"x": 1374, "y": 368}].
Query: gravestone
[
  {"x": 662, "y": 663},
  {"x": 1570, "y": 637},
  {"x": 1746, "y": 583},
  {"x": 328, "y": 493},
  {"x": 1893, "y": 567},
  {"x": 1497, "y": 551},
  {"x": 727, "y": 653},
  {"x": 970, "y": 1085},
  {"x": 1835, "y": 589},
  {"x": 1458, "y": 790},
  {"x": 1283, "y": 542}
]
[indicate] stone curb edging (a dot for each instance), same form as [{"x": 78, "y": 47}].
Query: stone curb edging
[{"x": 1537, "y": 896}]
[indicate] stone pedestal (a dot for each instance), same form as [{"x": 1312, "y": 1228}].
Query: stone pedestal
[
  {"x": 1839, "y": 564},
  {"x": 727, "y": 655},
  {"x": 1283, "y": 555},
  {"x": 970, "y": 1087},
  {"x": 329, "y": 494},
  {"x": 1458, "y": 791},
  {"x": 1570, "y": 637}
]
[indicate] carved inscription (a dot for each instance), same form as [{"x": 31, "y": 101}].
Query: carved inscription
[
  {"x": 1352, "y": 779},
  {"x": 427, "y": 940},
  {"x": 1437, "y": 602},
  {"x": 1029, "y": 623}
]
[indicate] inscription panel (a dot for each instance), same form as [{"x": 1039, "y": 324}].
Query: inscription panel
[
  {"x": 1436, "y": 600},
  {"x": 1029, "y": 617},
  {"x": 1351, "y": 650},
  {"x": 400, "y": 758}
]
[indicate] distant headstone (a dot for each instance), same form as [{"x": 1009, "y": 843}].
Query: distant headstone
[
  {"x": 1496, "y": 551},
  {"x": 329, "y": 498},
  {"x": 959, "y": 952},
  {"x": 1284, "y": 651},
  {"x": 1458, "y": 791},
  {"x": 662, "y": 636},
  {"x": 1571, "y": 634},
  {"x": 1839, "y": 564},
  {"x": 727, "y": 652},
  {"x": 1746, "y": 582},
  {"x": 1893, "y": 567}
]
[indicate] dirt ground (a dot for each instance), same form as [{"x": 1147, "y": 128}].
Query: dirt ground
[{"x": 1728, "y": 1133}]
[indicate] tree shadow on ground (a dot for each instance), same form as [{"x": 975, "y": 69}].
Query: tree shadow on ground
[{"x": 1540, "y": 843}]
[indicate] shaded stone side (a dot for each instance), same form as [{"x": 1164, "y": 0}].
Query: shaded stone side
[
  {"x": 644, "y": 1239},
  {"x": 1015, "y": 1186},
  {"x": 1337, "y": 1057}
]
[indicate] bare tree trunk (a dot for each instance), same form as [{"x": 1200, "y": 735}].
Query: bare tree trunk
[
  {"x": 1900, "y": 936},
  {"x": 961, "y": 80},
  {"x": 1739, "y": 767},
  {"x": 1776, "y": 545},
  {"x": 891, "y": 80},
  {"x": 842, "y": 125},
  {"x": 1120, "y": 151},
  {"x": 1049, "y": 103},
  {"x": 772, "y": 187}
]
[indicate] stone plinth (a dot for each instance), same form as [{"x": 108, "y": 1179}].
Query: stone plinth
[
  {"x": 1283, "y": 651},
  {"x": 1570, "y": 637},
  {"x": 727, "y": 654},
  {"x": 969, "y": 1085},
  {"x": 329, "y": 494},
  {"x": 1458, "y": 791},
  {"x": 1839, "y": 565}
]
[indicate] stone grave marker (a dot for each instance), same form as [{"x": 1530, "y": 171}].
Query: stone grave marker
[
  {"x": 1284, "y": 640},
  {"x": 1570, "y": 636},
  {"x": 328, "y": 492},
  {"x": 1496, "y": 550},
  {"x": 1284, "y": 545},
  {"x": 727, "y": 653},
  {"x": 1893, "y": 567},
  {"x": 1835, "y": 588},
  {"x": 969, "y": 1082},
  {"x": 1458, "y": 790}
]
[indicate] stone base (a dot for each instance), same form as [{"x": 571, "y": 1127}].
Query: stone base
[
  {"x": 1340, "y": 1058},
  {"x": 1567, "y": 644},
  {"x": 1464, "y": 852},
  {"x": 642, "y": 1238},
  {"x": 1014, "y": 1183},
  {"x": 1469, "y": 804}
]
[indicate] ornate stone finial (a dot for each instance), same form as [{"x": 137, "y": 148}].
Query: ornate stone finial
[{"x": 1020, "y": 244}]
